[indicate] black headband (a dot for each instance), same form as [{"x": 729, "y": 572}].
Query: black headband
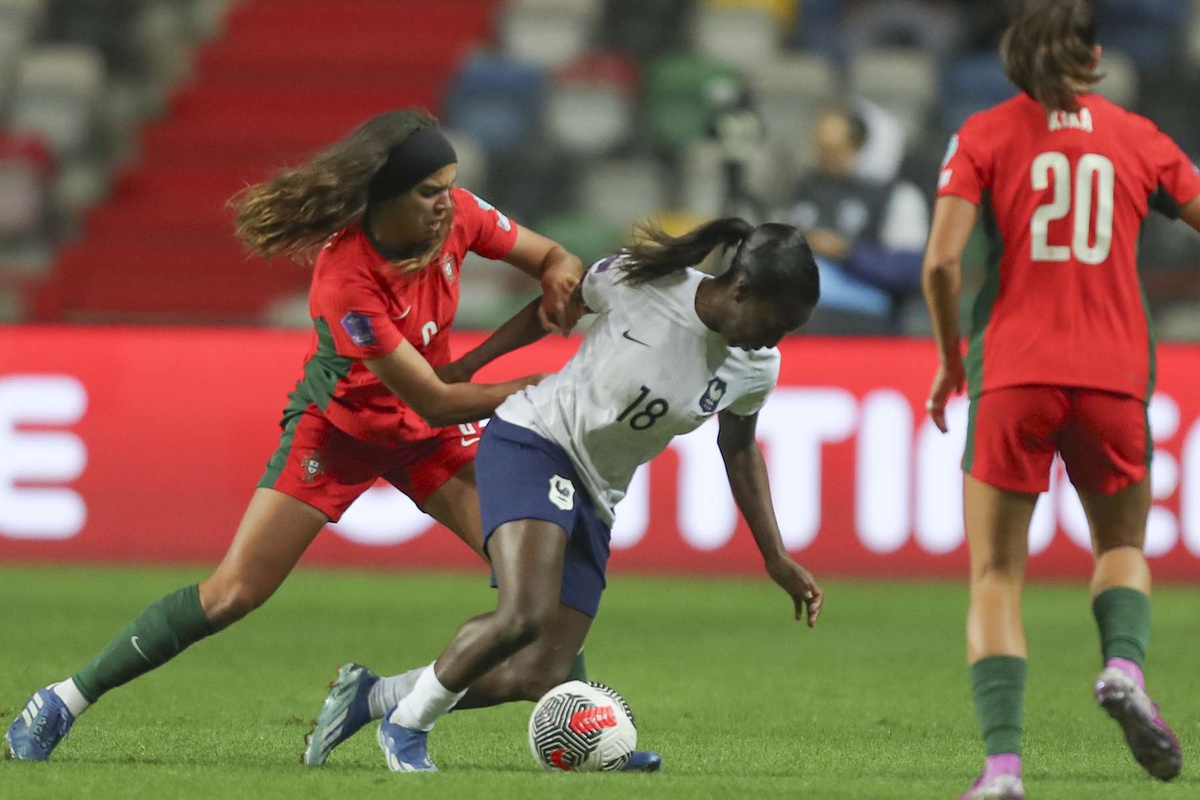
[{"x": 423, "y": 153}]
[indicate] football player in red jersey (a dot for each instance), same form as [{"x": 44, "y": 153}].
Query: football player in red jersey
[
  {"x": 379, "y": 396},
  {"x": 1061, "y": 360}
]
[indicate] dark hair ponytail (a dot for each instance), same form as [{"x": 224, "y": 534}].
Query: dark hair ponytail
[
  {"x": 1047, "y": 50},
  {"x": 657, "y": 254}
]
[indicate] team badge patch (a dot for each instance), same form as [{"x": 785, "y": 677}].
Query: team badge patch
[
  {"x": 358, "y": 328},
  {"x": 448, "y": 267},
  {"x": 712, "y": 395},
  {"x": 501, "y": 221},
  {"x": 562, "y": 493},
  {"x": 312, "y": 466}
]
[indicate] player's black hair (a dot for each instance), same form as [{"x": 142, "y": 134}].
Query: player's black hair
[
  {"x": 774, "y": 259},
  {"x": 776, "y": 262},
  {"x": 656, "y": 253},
  {"x": 1047, "y": 50},
  {"x": 296, "y": 210}
]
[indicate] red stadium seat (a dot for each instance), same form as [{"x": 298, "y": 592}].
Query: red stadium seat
[
  {"x": 172, "y": 284},
  {"x": 287, "y": 78}
]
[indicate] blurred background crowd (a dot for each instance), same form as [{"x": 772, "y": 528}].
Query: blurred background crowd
[{"x": 126, "y": 124}]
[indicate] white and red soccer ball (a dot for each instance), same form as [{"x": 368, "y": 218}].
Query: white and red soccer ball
[{"x": 582, "y": 727}]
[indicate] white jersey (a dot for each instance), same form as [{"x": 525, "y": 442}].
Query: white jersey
[{"x": 648, "y": 370}]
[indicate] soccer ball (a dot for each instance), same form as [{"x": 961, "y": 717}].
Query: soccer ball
[{"x": 582, "y": 727}]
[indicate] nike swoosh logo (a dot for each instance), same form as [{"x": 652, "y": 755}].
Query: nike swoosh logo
[
  {"x": 405, "y": 314},
  {"x": 630, "y": 338},
  {"x": 468, "y": 442},
  {"x": 133, "y": 640}
]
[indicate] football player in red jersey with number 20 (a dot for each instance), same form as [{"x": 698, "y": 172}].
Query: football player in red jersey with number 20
[{"x": 1061, "y": 360}]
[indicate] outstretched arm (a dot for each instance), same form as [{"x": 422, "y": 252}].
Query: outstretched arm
[
  {"x": 747, "y": 473},
  {"x": 525, "y": 327},
  {"x": 408, "y": 375}
]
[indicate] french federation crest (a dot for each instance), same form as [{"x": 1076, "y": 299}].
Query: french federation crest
[
  {"x": 562, "y": 493},
  {"x": 712, "y": 395},
  {"x": 311, "y": 466}
]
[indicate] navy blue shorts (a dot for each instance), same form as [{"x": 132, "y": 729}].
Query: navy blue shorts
[{"x": 522, "y": 475}]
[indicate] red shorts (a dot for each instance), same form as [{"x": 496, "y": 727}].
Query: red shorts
[
  {"x": 328, "y": 469},
  {"x": 1013, "y": 434}
]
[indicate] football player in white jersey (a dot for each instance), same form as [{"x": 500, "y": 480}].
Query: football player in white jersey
[{"x": 671, "y": 348}]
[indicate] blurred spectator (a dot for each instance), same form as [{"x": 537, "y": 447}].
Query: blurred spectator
[
  {"x": 882, "y": 153},
  {"x": 868, "y": 235}
]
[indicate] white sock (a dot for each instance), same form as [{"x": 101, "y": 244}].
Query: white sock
[
  {"x": 426, "y": 703},
  {"x": 69, "y": 693},
  {"x": 388, "y": 692}
]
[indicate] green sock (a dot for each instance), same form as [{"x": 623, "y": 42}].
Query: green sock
[
  {"x": 578, "y": 669},
  {"x": 154, "y": 637},
  {"x": 998, "y": 686},
  {"x": 1123, "y": 616}
]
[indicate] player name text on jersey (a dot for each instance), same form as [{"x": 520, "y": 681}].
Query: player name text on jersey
[{"x": 1081, "y": 120}]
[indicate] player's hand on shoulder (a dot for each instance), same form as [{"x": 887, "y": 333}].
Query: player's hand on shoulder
[{"x": 800, "y": 585}]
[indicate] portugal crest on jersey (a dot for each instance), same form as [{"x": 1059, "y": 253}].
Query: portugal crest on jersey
[
  {"x": 448, "y": 267},
  {"x": 712, "y": 395},
  {"x": 312, "y": 466}
]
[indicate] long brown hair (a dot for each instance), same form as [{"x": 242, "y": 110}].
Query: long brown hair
[
  {"x": 1048, "y": 50},
  {"x": 295, "y": 211}
]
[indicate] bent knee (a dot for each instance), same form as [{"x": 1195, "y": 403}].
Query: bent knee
[{"x": 227, "y": 601}]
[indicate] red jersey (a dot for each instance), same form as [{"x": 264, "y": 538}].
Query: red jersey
[
  {"x": 362, "y": 308},
  {"x": 1064, "y": 196}
]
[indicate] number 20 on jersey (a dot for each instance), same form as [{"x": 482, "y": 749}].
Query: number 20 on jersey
[{"x": 1053, "y": 170}]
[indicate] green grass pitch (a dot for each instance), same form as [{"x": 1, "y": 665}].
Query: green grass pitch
[{"x": 740, "y": 700}]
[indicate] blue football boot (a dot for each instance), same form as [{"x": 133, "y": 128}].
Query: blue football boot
[
  {"x": 406, "y": 750},
  {"x": 643, "y": 761},
  {"x": 345, "y": 710},
  {"x": 43, "y": 723}
]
